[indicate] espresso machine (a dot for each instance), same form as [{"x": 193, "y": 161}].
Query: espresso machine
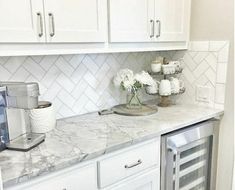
[
  {"x": 16, "y": 101},
  {"x": 4, "y": 135}
]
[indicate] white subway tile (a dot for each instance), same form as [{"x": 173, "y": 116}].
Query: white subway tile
[
  {"x": 223, "y": 54},
  {"x": 4, "y": 74},
  {"x": 201, "y": 68},
  {"x": 221, "y": 73},
  {"x": 66, "y": 98},
  {"x": 199, "y": 46},
  {"x": 65, "y": 82},
  {"x": 64, "y": 67},
  {"x": 34, "y": 68},
  {"x": 217, "y": 45},
  {"x": 20, "y": 75}
]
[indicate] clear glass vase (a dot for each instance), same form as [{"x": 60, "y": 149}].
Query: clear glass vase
[{"x": 133, "y": 101}]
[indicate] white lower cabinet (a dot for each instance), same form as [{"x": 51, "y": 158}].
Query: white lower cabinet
[{"x": 147, "y": 181}]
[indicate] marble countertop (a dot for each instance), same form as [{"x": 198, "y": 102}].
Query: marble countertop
[{"x": 88, "y": 136}]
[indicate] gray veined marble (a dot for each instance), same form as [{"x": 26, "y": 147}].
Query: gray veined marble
[{"x": 88, "y": 136}]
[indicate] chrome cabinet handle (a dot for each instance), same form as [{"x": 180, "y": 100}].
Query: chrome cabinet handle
[
  {"x": 151, "y": 28},
  {"x": 51, "y": 24},
  {"x": 40, "y": 25},
  {"x": 133, "y": 165},
  {"x": 159, "y": 28}
]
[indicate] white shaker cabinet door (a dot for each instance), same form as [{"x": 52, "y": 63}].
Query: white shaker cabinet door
[
  {"x": 172, "y": 19},
  {"x": 147, "y": 181},
  {"x": 131, "y": 20},
  {"x": 76, "y": 21},
  {"x": 21, "y": 21}
]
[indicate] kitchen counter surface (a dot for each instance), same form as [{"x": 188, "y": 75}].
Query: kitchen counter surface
[{"x": 88, "y": 136}]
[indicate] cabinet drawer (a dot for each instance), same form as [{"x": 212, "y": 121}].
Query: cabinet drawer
[
  {"x": 128, "y": 162},
  {"x": 74, "y": 178},
  {"x": 148, "y": 181}
]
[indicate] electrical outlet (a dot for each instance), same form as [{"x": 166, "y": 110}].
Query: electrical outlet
[{"x": 203, "y": 93}]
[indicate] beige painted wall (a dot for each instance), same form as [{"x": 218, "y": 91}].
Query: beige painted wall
[{"x": 214, "y": 20}]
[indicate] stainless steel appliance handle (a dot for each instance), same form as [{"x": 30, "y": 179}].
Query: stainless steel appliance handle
[
  {"x": 177, "y": 170},
  {"x": 40, "y": 24},
  {"x": 169, "y": 169},
  {"x": 133, "y": 165},
  {"x": 152, "y": 28},
  {"x": 51, "y": 24},
  {"x": 159, "y": 28}
]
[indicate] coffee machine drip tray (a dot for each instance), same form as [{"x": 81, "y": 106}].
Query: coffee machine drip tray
[{"x": 26, "y": 142}]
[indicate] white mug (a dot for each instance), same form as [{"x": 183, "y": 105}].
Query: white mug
[
  {"x": 165, "y": 88},
  {"x": 177, "y": 64},
  {"x": 156, "y": 67},
  {"x": 176, "y": 85}
]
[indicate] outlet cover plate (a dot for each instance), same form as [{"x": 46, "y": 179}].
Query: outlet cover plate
[{"x": 203, "y": 93}]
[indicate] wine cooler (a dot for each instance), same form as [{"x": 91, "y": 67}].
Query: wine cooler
[{"x": 187, "y": 157}]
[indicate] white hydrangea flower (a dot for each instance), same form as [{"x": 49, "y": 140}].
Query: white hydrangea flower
[
  {"x": 144, "y": 78},
  {"x": 124, "y": 77}
]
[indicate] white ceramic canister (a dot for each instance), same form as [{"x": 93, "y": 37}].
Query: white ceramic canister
[
  {"x": 165, "y": 88},
  {"x": 156, "y": 67},
  {"x": 175, "y": 85},
  {"x": 43, "y": 118}
]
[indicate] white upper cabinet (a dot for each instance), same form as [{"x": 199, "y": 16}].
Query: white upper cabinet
[
  {"x": 149, "y": 20},
  {"x": 21, "y": 21},
  {"x": 172, "y": 20},
  {"x": 131, "y": 20},
  {"x": 76, "y": 21}
]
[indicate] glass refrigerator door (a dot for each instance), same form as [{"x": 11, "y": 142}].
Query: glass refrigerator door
[{"x": 189, "y": 166}]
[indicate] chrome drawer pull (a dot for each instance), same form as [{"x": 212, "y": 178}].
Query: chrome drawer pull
[
  {"x": 152, "y": 28},
  {"x": 40, "y": 25},
  {"x": 133, "y": 165},
  {"x": 52, "y": 24},
  {"x": 159, "y": 28}
]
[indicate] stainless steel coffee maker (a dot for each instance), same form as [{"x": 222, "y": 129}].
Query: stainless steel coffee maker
[
  {"x": 4, "y": 135},
  {"x": 18, "y": 99}
]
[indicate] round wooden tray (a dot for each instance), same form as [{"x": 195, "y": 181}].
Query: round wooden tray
[{"x": 143, "y": 111}]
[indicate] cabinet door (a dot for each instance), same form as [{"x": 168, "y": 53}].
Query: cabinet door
[
  {"x": 131, "y": 20},
  {"x": 172, "y": 20},
  {"x": 147, "y": 181},
  {"x": 21, "y": 21},
  {"x": 76, "y": 21}
]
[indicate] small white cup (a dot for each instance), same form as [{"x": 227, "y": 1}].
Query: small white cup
[
  {"x": 176, "y": 85},
  {"x": 165, "y": 88},
  {"x": 156, "y": 67},
  {"x": 177, "y": 64}
]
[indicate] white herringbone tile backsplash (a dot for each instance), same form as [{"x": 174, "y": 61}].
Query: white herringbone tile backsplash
[
  {"x": 206, "y": 65},
  {"x": 78, "y": 84}
]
